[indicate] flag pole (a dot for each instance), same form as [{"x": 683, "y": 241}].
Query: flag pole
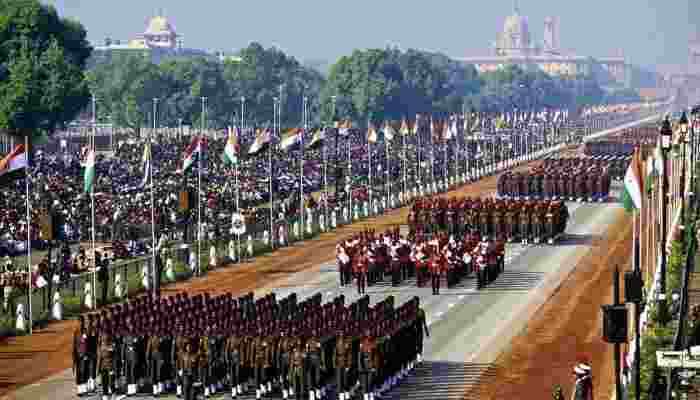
[
  {"x": 418, "y": 153},
  {"x": 349, "y": 176},
  {"x": 369, "y": 163},
  {"x": 153, "y": 215},
  {"x": 29, "y": 238},
  {"x": 92, "y": 201},
  {"x": 445, "y": 163},
  {"x": 387, "y": 175},
  {"x": 301, "y": 168},
  {"x": 238, "y": 184},
  {"x": 276, "y": 109},
  {"x": 403, "y": 166},
  {"x": 199, "y": 191},
  {"x": 325, "y": 178}
]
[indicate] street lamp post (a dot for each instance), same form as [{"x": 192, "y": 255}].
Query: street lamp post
[
  {"x": 683, "y": 124},
  {"x": 666, "y": 133}
]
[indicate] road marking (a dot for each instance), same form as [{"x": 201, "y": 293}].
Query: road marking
[{"x": 450, "y": 305}]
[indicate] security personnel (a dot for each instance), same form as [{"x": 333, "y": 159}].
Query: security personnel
[
  {"x": 342, "y": 362},
  {"x": 189, "y": 366},
  {"x": 105, "y": 363},
  {"x": 233, "y": 361},
  {"x": 367, "y": 367},
  {"x": 81, "y": 361},
  {"x": 315, "y": 363}
]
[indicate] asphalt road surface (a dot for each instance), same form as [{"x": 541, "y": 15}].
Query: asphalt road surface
[{"x": 468, "y": 328}]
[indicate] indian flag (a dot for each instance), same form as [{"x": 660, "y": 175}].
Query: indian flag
[
  {"x": 195, "y": 147},
  {"x": 291, "y": 138},
  {"x": 231, "y": 148},
  {"x": 90, "y": 171},
  {"x": 632, "y": 190},
  {"x": 262, "y": 138},
  {"x": 14, "y": 165}
]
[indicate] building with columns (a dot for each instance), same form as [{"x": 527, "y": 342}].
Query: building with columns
[
  {"x": 159, "y": 42},
  {"x": 515, "y": 46}
]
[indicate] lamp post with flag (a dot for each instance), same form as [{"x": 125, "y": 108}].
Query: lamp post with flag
[
  {"x": 371, "y": 138},
  {"x": 154, "y": 267},
  {"x": 199, "y": 188}
]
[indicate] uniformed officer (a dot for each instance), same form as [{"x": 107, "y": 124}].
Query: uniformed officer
[
  {"x": 81, "y": 367},
  {"x": 189, "y": 364},
  {"x": 342, "y": 359},
  {"x": 420, "y": 324},
  {"x": 155, "y": 359},
  {"x": 296, "y": 373},
  {"x": 233, "y": 361},
  {"x": 343, "y": 264},
  {"x": 361, "y": 272},
  {"x": 92, "y": 336},
  {"x": 105, "y": 363},
  {"x": 315, "y": 364},
  {"x": 130, "y": 351}
]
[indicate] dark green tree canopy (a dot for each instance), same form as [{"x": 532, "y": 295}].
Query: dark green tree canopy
[{"x": 42, "y": 58}]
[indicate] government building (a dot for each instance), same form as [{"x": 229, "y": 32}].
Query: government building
[
  {"x": 515, "y": 46},
  {"x": 159, "y": 42}
]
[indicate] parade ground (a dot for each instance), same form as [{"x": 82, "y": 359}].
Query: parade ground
[{"x": 469, "y": 329}]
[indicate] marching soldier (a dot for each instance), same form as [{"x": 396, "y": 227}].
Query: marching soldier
[
  {"x": 315, "y": 364},
  {"x": 92, "y": 336},
  {"x": 177, "y": 352},
  {"x": 283, "y": 359},
  {"x": 81, "y": 367},
  {"x": 131, "y": 356},
  {"x": 155, "y": 359},
  {"x": 233, "y": 360},
  {"x": 105, "y": 363},
  {"x": 420, "y": 324},
  {"x": 189, "y": 364},
  {"x": 261, "y": 363},
  {"x": 342, "y": 360},
  {"x": 296, "y": 373},
  {"x": 367, "y": 365},
  {"x": 361, "y": 272}
]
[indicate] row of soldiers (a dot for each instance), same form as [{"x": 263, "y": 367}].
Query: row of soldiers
[
  {"x": 498, "y": 219},
  {"x": 591, "y": 182},
  {"x": 368, "y": 257},
  {"x": 203, "y": 344}
]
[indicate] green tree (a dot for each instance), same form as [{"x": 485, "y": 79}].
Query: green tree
[{"x": 42, "y": 59}]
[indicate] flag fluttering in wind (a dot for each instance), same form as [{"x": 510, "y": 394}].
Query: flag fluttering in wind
[
  {"x": 146, "y": 160},
  {"x": 192, "y": 150},
  {"x": 632, "y": 189},
  {"x": 232, "y": 147},
  {"x": 389, "y": 132},
  {"x": 291, "y": 139},
  {"x": 14, "y": 165},
  {"x": 318, "y": 138},
  {"x": 262, "y": 139},
  {"x": 89, "y": 178},
  {"x": 372, "y": 134}
]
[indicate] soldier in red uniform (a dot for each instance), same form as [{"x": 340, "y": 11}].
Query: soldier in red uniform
[{"x": 360, "y": 269}]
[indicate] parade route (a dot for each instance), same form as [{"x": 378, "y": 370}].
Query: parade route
[{"x": 468, "y": 328}]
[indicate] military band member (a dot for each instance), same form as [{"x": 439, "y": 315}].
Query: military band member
[
  {"x": 435, "y": 268},
  {"x": 105, "y": 364},
  {"x": 361, "y": 272},
  {"x": 81, "y": 361}
]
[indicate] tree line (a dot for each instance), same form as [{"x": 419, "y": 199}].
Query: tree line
[{"x": 44, "y": 83}]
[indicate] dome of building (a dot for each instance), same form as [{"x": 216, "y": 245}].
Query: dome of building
[
  {"x": 159, "y": 25},
  {"x": 516, "y": 32}
]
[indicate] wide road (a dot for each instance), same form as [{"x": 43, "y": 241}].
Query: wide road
[{"x": 468, "y": 328}]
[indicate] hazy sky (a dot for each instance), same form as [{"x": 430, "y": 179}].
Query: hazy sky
[{"x": 649, "y": 31}]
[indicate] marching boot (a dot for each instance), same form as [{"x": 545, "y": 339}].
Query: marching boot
[
  {"x": 311, "y": 395},
  {"x": 366, "y": 396},
  {"x": 318, "y": 394},
  {"x": 178, "y": 390},
  {"x": 206, "y": 392},
  {"x": 257, "y": 393},
  {"x": 269, "y": 387},
  {"x": 233, "y": 392},
  {"x": 285, "y": 394},
  {"x": 239, "y": 389}
]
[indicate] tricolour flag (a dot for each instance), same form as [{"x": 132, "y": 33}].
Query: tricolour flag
[
  {"x": 372, "y": 134},
  {"x": 291, "y": 139},
  {"x": 318, "y": 138},
  {"x": 89, "y": 178},
  {"x": 146, "y": 160},
  {"x": 194, "y": 148},
  {"x": 232, "y": 147},
  {"x": 14, "y": 165},
  {"x": 632, "y": 189},
  {"x": 262, "y": 139}
]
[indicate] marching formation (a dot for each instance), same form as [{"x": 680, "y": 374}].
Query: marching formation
[
  {"x": 580, "y": 179},
  {"x": 530, "y": 221},
  {"x": 201, "y": 344},
  {"x": 369, "y": 257}
]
